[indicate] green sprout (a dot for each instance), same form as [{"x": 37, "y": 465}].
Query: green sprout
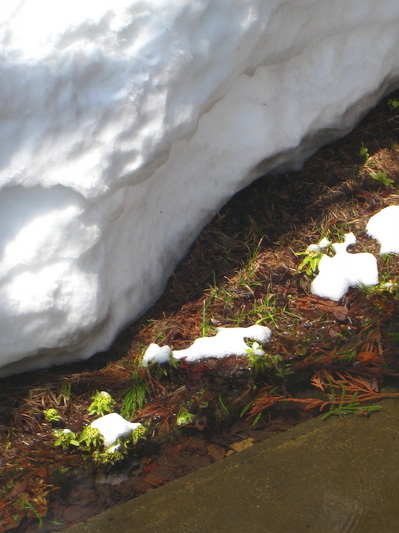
[
  {"x": 364, "y": 153},
  {"x": 134, "y": 397},
  {"x": 393, "y": 103},
  {"x": 184, "y": 417},
  {"x": 138, "y": 433},
  {"x": 22, "y": 504},
  {"x": 52, "y": 415},
  {"x": 393, "y": 336},
  {"x": 390, "y": 287},
  {"x": 312, "y": 256},
  {"x": 173, "y": 362},
  {"x": 65, "y": 438},
  {"x": 225, "y": 410},
  {"x": 91, "y": 438},
  {"x": 265, "y": 363},
  {"x": 102, "y": 403},
  {"x": 66, "y": 390},
  {"x": 382, "y": 178},
  {"x": 262, "y": 363},
  {"x": 112, "y": 455}
]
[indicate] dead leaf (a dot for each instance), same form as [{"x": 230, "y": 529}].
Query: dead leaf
[
  {"x": 216, "y": 452},
  {"x": 340, "y": 312},
  {"x": 154, "y": 479},
  {"x": 242, "y": 444},
  {"x": 17, "y": 489},
  {"x": 150, "y": 466},
  {"x": 332, "y": 332},
  {"x": 172, "y": 451},
  {"x": 367, "y": 356},
  {"x": 200, "y": 423},
  {"x": 41, "y": 472}
]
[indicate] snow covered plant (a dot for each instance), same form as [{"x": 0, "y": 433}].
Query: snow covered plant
[
  {"x": 91, "y": 438},
  {"x": 312, "y": 256},
  {"x": 65, "y": 438},
  {"x": 102, "y": 403},
  {"x": 107, "y": 439},
  {"x": 112, "y": 455},
  {"x": 262, "y": 363},
  {"x": 344, "y": 270},
  {"x": 106, "y": 454},
  {"x": 116, "y": 435},
  {"x": 256, "y": 350}
]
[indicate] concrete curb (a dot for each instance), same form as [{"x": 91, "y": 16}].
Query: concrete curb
[{"x": 341, "y": 475}]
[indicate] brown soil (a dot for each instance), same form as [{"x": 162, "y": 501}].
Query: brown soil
[{"x": 242, "y": 269}]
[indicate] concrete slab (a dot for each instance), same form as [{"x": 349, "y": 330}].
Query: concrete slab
[{"x": 338, "y": 476}]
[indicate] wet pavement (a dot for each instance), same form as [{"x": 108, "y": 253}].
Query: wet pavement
[{"x": 337, "y": 476}]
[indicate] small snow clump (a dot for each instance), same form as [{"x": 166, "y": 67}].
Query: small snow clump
[
  {"x": 314, "y": 248},
  {"x": 113, "y": 427},
  {"x": 228, "y": 341},
  {"x": 257, "y": 350},
  {"x": 337, "y": 274},
  {"x": 384, "y": 227},
  {"x": 156, "y": 354}
]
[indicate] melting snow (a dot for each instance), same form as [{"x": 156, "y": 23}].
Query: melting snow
[
  {"x": 156, "y": 354},
  {"x": 384, "y": 227},
  {"x": 113, "y": 427},
  {"x": 228, "y": 341},
  {"x": 344, "y": 270},
  {"x": 337, "y": 274}
]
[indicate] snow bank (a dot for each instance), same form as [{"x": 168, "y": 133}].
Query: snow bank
[{"x": 126, "y": 124}]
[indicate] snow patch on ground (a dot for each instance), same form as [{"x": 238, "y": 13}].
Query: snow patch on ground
[
  {"x": 384, "y": 227},
  {"x": 228, "y": 341},
  {"x": 337, "y": 274},
  {"x": 157, "y": 354}
]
